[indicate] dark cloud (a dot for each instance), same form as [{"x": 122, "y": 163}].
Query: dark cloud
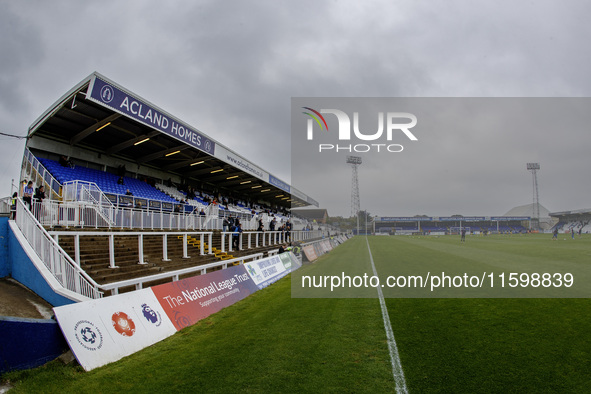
[{"x": 230, "y": 70}]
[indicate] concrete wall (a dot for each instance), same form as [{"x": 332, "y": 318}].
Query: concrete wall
[
  {"x": 29, "y": 343},
  {"x": 4, "y": 260},
  {"x": 24, "y": 271}
]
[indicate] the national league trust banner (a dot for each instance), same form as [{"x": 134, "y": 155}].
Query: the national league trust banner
[{"x": 108, "y": 329}]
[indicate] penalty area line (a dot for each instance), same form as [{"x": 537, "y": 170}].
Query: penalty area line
[{"x": 394, "y": 357}]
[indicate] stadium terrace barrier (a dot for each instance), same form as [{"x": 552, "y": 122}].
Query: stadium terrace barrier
[
  {"x": 85, "y": 214},
  {"x": 267, "y": 238},
  {"x": 300, "y": 236},
  {"x": 140, "y": 235},
  {"x": 68, "y": 274},
  {"x": 89, "y": 192},
  {"x": 34, "y": 168},
  {"x": 138, "y": 283}
]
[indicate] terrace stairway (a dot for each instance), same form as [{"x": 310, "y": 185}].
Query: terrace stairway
[{"x": 94, "y": 254}]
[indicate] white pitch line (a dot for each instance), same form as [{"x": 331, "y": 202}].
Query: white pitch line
[{"x": 394, "y": 357}]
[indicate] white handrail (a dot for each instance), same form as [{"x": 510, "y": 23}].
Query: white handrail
[
  {"x": 57, "y": 261},
  {"x": 111, "y": 235},
  {"x": 43, "y": 173},
  {"x": 139, "y": 282},
  {"x": 77, "y": 214}
]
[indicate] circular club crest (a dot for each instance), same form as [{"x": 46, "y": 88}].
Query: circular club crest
[
  {"x": 107, "y": 94},
  {"x": 123, "y": 324}
]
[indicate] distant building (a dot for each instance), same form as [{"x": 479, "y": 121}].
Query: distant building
[
  {"x": 546, "y": 221},
  {"x": 319, "y": 215}
]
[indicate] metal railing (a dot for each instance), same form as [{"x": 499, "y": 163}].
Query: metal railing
[
  {"x": 258, "y": 238},
  {"x": 68, "y": 273},
  {"x": 90, "y": 193},
  {"x": 86, "y": 215},
  {"x": 138, "y": 283},
  {"x": 58, "y": 262},
  {"x": 140, "y": 238},
  {"x": 42, "y": 175}
]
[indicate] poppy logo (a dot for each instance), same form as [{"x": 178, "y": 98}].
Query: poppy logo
[{"x": 123, "y": 324}]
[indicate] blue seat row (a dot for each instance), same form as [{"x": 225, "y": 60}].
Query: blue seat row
[{"x": 107, "y": 182}]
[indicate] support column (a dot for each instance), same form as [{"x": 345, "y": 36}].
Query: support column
[
  {"x": 140, "y": 248},
  {"x": 165, "y": 248}
]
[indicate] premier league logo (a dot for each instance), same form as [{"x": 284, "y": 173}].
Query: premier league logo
[{"x": 151, "y": 315}]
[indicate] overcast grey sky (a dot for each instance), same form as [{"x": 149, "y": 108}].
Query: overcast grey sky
[{"x": 231, "y": 68}]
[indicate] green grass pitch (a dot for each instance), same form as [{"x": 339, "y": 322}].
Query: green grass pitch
[{"x": 272, "y": 342}]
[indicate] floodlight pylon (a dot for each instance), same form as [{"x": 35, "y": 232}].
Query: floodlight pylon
[
  {"x": 355, "y": 161},
  {"x": 533, "y": 168}
]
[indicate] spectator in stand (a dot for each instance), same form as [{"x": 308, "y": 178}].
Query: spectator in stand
[
  {"x": 236, "y": 230},
  {"x": 202, "y": 213},
  {"x": 190, "y": 193},
  {"x": 38, "y": 198},
  {"x": 66, "y": 162},
  {"x": 260, "y": 225},
  {"x": 225, "y": 224},
  {"x": 128, "y": 193},
  {"x": 13, "y": 206},
  {"x": 39, "y": 193},
  {"x": 288, "y": 231},
  {"x": 28, "y": 194}
]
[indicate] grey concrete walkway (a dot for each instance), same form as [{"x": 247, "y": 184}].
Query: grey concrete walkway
[{"x": 18, "y": 301}]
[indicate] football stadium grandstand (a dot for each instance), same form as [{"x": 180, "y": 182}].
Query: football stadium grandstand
[
  {"x": 427, "y": 225},
  {"x": 119, "y": 173},
  {"x": 518, "y": 220},
  {"x": 116, "y": 195},
  {"x": 569, "y": 221}
]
